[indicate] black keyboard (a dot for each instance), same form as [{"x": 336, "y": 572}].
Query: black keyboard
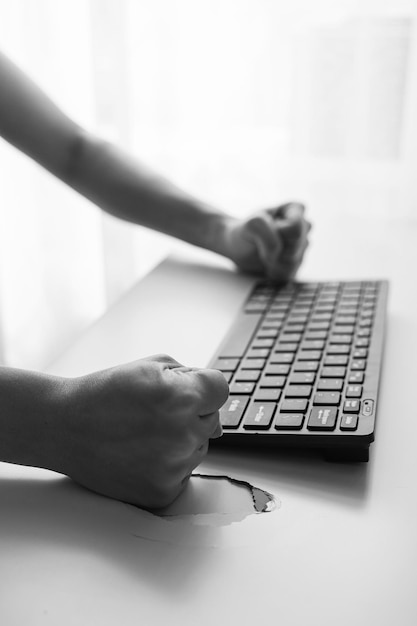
[{"x": 303, "y": 364}]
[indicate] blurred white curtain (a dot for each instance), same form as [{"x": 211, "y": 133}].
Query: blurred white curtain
[{"x": 243, "y": 102}]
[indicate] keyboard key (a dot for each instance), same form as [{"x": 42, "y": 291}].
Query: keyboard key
[
  {"x": 362, "y": 343},
  {"x": 319, "y": 309},
  {"x": 277, "y": 370},
  {"x": 360, "y": 353},
  {"x": 295, "y": 320},
  {"x": 272, "y": 381},
  {"x": 262, "y": 343},
  {"x": 343, "y": 330},
  {"x": 327, "y": 398},
  {"x": 354, "y": 391},
  {"x": 337, "y": 349},
  {"x": 358, "y": 364},
  {"x": 259, "y": 297},
  {"x": 333, "y": 372},
  {"x": 274, "y": 320},
  {"x": 321, "y": 317},
  {"x": 242, "y": 388},
  {"x": 226, "y": 365},
  {"x": 319, "y": 334},
  {"x": 265, "y": 333},
  {"x": 330, "y": 384},
  {"x": 253, "y": 364},
  {"x": 289, "y": 421},
  {"x": 259, "y": 415},
  {"x": 302, "y": 378},
  {"x": 256, "y": 307},
  {"x": 311, "y": 328},
  {"x": 345, "y": 320},
  {"x": 232, "y": 411},
  {"x": 349, "y": 422},
  {"x": 265, "y": 394},
  {"x": 295, "y": 328},
  {"x": 294, "y": 405},
  {"x": 350, "y": 308},
  {"x": 318, "y": 344},
  {"x": 351, "y": 406},
  {"x": 356, "y": 377},
  {"x": 285, "y": 347},
  {"x": 333, "y": 359},
  {"x": 279, "y": 307},
  {"x": 290, "y": 338},
  {"x": 323, "y": 418},
  {"x": 228, "y": 376},
  {"x": 340, "y": 339},
  {"x": 247, "y": 375},
  {"x": 309, "y": 355},
  {"x": 282, "y": 357},
  {"x": 306, "y": 366},
  {"x": 298, "y": 391},
  {"x": 257, "y": 353}
]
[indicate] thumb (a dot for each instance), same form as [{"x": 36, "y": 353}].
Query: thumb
[{"x": 268, "y": 243}]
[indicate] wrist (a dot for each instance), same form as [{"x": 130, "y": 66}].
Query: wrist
[{"x": 216, "y": 233}]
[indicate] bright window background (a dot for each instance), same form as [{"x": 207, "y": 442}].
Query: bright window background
[{"x": 245, "y": 103}]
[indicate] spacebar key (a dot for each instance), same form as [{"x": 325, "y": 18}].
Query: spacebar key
[{"x": 243, "y": 329}]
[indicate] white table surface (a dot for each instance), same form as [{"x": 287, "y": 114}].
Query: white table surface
[{"x": 340, "y": 548}]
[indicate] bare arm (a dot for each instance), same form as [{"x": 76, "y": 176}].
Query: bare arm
[
  {"x": 271, "y": 241},
  {"x": 110, "y": 178},
  {"x": 134, "y": 432}
]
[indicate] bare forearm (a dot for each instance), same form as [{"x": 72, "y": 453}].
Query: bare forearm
[
  {"x": 104, "y": 174},
  {"x": 127, "y": 189},
  {"x": 31, "y": 418}
]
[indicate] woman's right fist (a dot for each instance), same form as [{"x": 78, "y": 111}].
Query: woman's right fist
[{"x": 135, "y": 432}]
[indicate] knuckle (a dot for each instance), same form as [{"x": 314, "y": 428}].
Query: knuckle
[
  {"x": 181, "y": 391},
  {"x": 214, "y": 387},
  {"x": 256, "y": 222},
  {"x": 164, "y": 358}
]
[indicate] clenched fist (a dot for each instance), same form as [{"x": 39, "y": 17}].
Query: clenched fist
[
  {"x": 136, "y": 432},
  {"x": 271, "y": 242}
]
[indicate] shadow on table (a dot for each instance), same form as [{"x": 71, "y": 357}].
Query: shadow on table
[
  {"x": 56, "y": 514},
  {"x": 298, "y": 471}
]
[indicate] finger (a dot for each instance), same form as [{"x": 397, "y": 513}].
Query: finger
[
  {"x": 295, "y": 243},
  {"x": 293, "y": 230},
  {"x": 283, "y": 265},
  {"x": 212, "y": 390},
  {"x": 266, "y": 238},
  {"x": 289, "y": 210},
  {"x": 264, "y": 234},
  {"x": 194, "y": 461},
  {"x": 218, "y": 432},
  {"x": 210, "y": 426},
  {"x": 289, "y": 261},
  {"x": 294, "y": 237},
  {"x": 294, "y": 254},
  {"x": 292, "y": 268},
  {"x": 165, "y": 359},
  {"x": 284, "y": 270}
]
